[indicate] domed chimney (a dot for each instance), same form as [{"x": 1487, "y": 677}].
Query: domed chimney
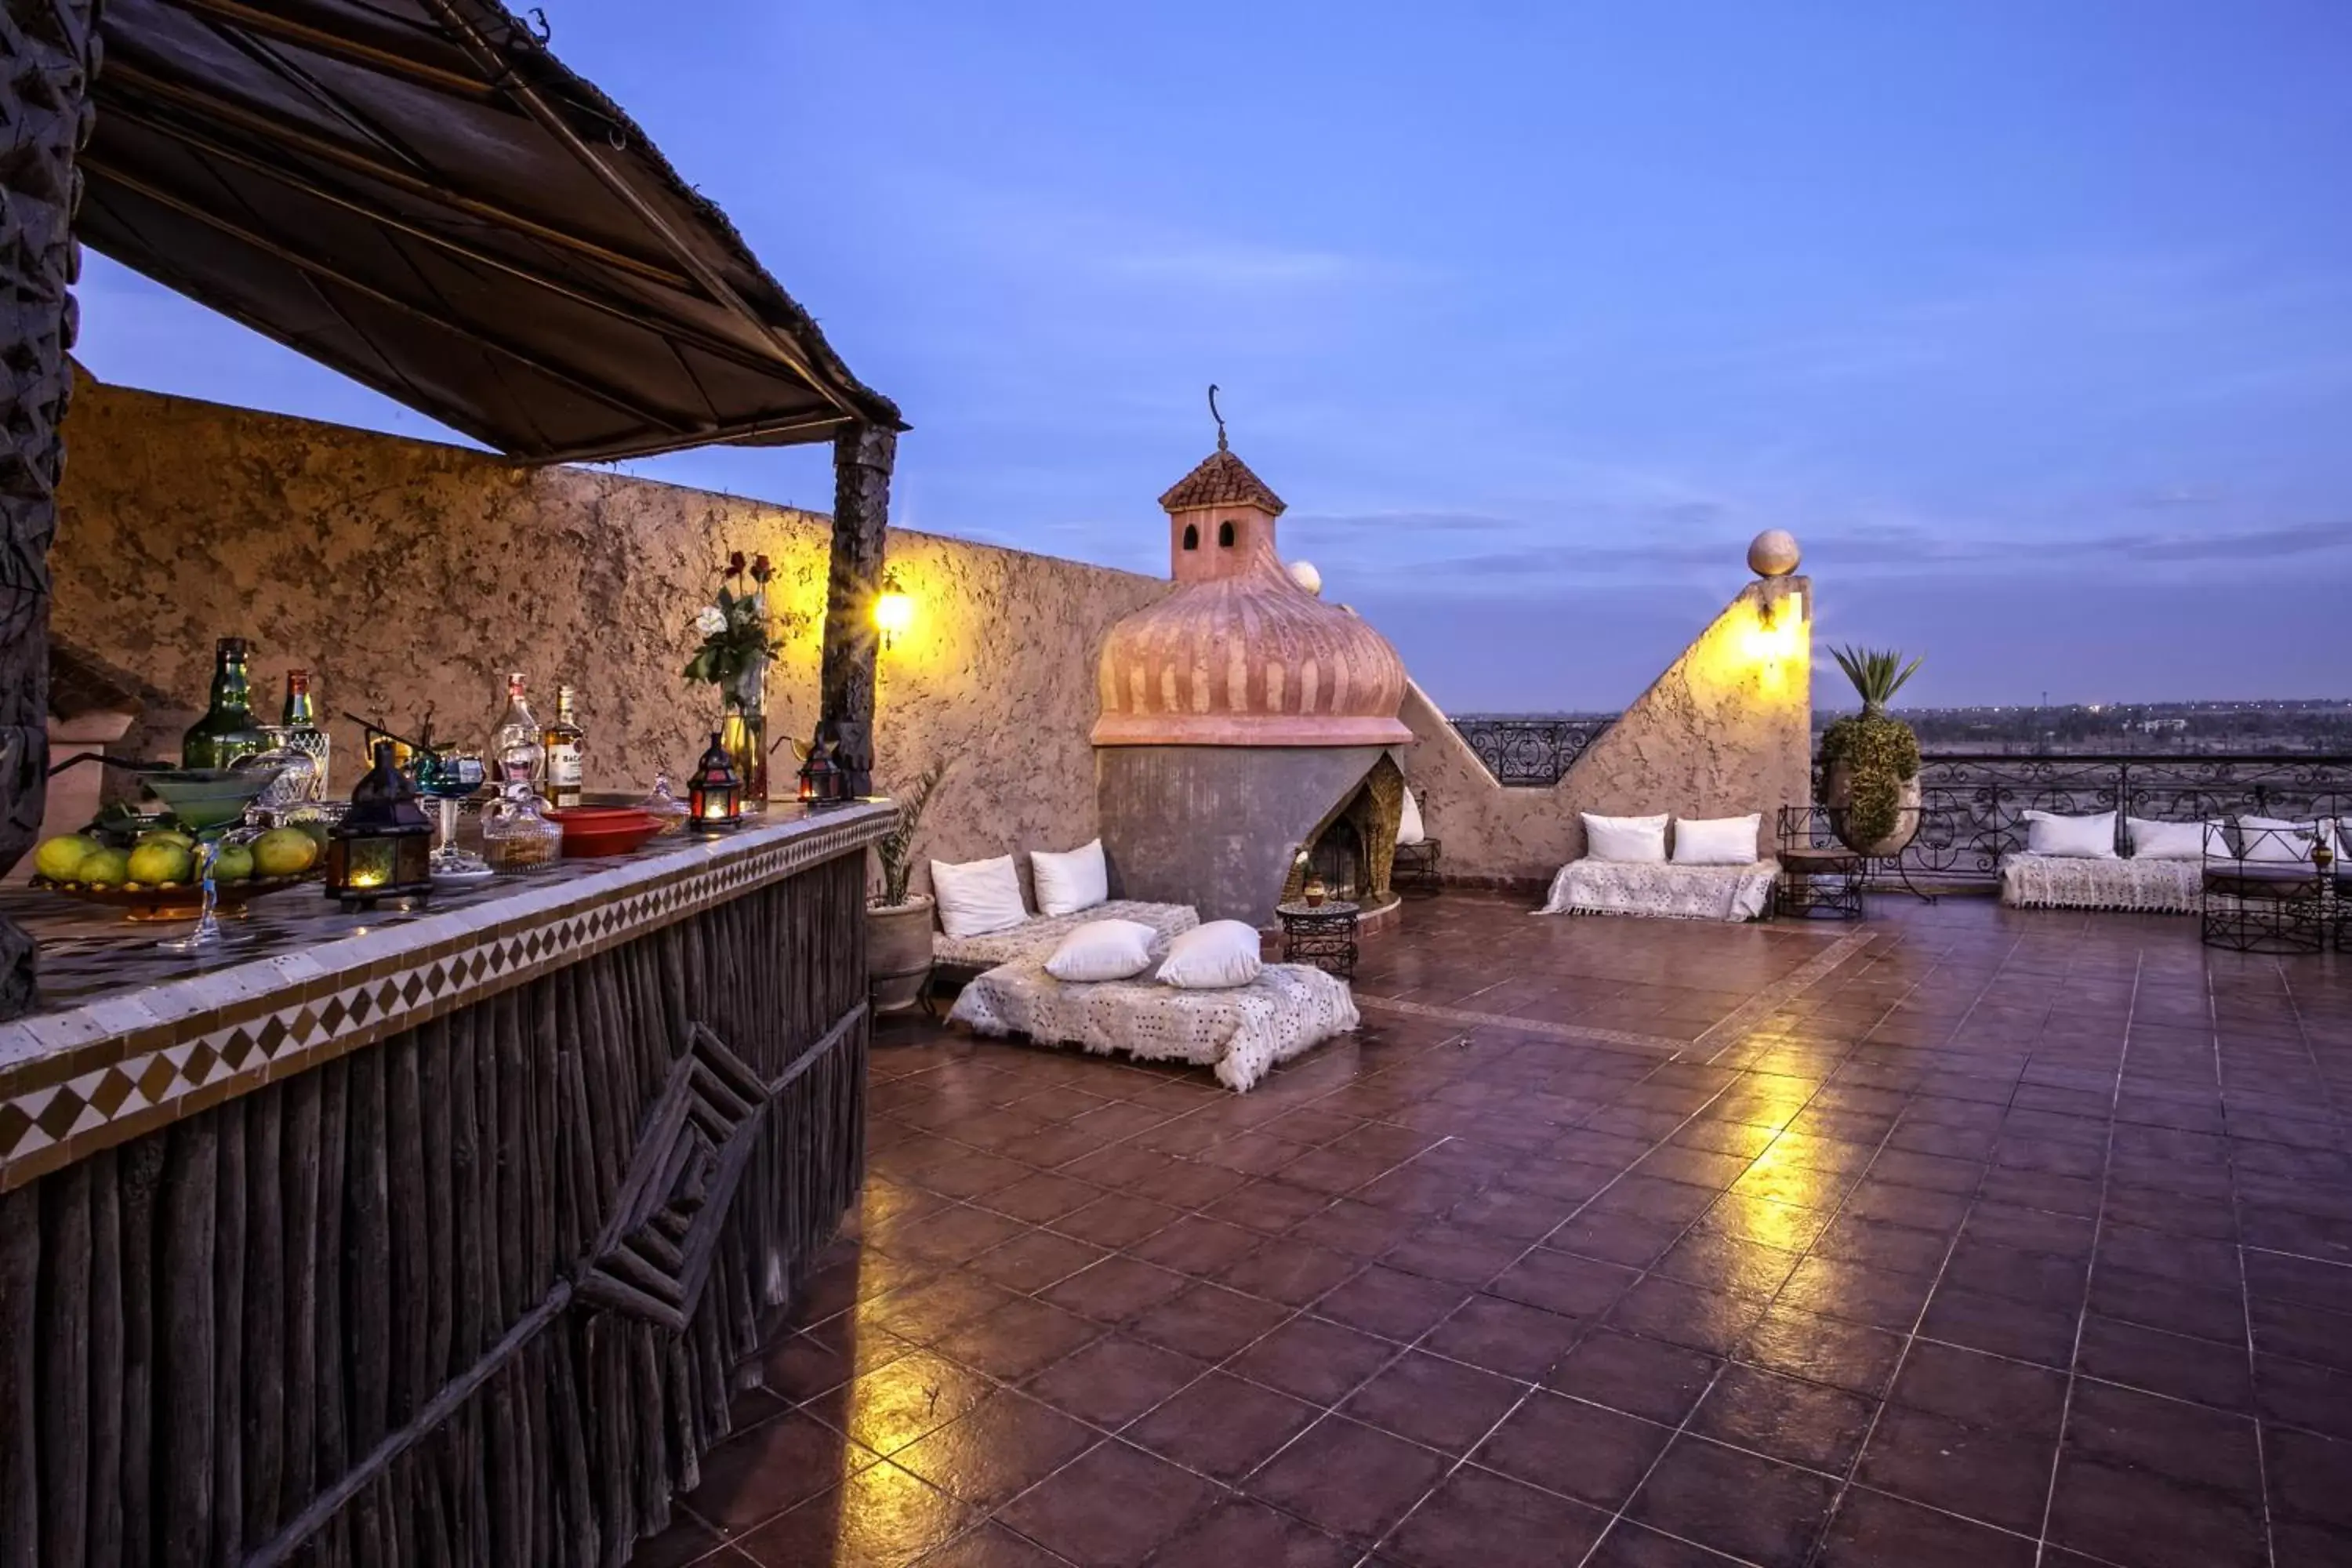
[
  {"x": 1244, "y": 719},
  {"x": 1239, "y": 653}
]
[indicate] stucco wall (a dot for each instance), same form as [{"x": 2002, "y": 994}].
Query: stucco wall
[
  {"x": 1724, "y": 732},
  {"x": 405, "y": 574}
]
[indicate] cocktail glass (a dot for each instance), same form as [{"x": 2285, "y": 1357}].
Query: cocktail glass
[
  {"x": 212, "y": 804},
  {"x": 446, "y": 778}
]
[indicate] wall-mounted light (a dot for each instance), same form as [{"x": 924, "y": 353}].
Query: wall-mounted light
[{"x": 894, "y": 612}]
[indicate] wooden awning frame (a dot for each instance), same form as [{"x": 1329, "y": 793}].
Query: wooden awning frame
[{"x": 419, "y": 194}]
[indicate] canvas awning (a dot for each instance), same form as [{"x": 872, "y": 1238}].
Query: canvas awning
[{"x": 419, "y": 194}]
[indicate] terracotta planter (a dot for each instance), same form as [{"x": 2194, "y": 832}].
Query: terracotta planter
[
  {"x": 1837, "y": 794},
  {"x": 897, "y": 952}
]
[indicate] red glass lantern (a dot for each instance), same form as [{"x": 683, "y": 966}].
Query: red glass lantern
[{"x": 714, "y": 795}]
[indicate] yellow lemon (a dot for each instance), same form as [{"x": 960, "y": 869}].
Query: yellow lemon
[
  {"x": 105, "y": 868},
  {"x": 159, "y": 861},
  {"x": 59, "y": 860},
  {"x": 285, "y": 852}
]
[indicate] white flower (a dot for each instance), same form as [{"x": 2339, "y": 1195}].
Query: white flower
[{"x": 711, "y": 621}]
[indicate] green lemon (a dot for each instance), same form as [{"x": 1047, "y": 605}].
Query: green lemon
[
  {"x": 59, "y": 860},
  {"x": 105, "y": 868},
  {"x": 285, "y": 852},
  {"x": 234, "y": 864},
  {"x": 157, "y": 861}
]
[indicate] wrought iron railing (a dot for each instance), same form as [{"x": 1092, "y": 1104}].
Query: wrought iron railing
[
  {"x": 1529, "y": 753},
  {"x": 1972, "y": 804}
]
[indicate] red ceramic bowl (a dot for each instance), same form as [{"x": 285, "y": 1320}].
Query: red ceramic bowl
[{"x": 592, "y": 830}]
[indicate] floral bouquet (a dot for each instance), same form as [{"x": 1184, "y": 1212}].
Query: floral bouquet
[{"x": 737, "y": 639}]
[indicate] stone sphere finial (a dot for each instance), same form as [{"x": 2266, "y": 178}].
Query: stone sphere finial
[
  {"x": 1303, "y": 572},
  {"x": 1773, "y": 554}
]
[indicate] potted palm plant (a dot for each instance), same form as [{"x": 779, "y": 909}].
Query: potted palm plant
[
  {"x": 899, "y": 923},
  {"x": 1870, "y": 760}
]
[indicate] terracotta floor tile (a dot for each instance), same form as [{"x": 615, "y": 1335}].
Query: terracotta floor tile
[
  {"x": 1348, "y": 1479},
  {"x": 1755, "y": 1508},
  {"x": 1239, "y": 1533},
  {"x": 1478, "y": 1518},
  {"x": 1582, "y": 1450},
  {"x": 1110, "y": 1508},
  {"x": 1436, "y": 1402},
  {"x": 996, "y": 1449},
  {"x": 1784, "y": 1418},
  {"x": 1654, "y": 1379},
  {"x": 880, "y": 1518},
  {"x": 1316, "y": 1361},
  {"x": 1114, "y": 1380},
  {"x": 1223, "y": 1426}
]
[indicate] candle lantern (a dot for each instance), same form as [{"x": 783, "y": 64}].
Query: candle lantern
[
  {"x": 381, "y": 847},
  {"x": 822, "y": 781},
  {"x": 714, "y": 795}
]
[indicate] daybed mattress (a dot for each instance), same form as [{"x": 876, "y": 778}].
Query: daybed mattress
[
  {"x": 2120, "y": 882},
  {"x": 1241, "y": 1032},
  {"x": 1661, "y": 889}
]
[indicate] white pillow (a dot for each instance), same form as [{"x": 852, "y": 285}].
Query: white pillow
[
  {"x": 2275, "y": 840},
  {"x": 1103, "y": 950},
  {"x": 978, "y": 897},
  {"x": 1716, "y": 841},
  {"x": 2091, "y": 837},
  {"x": 1213, "y": 957},
  {"x": 1638, "y": 838},
  {"x": 2153, "y": 840},
  {"x": 1409, "y": 825},
  {"x": 1074, "y": 880}
]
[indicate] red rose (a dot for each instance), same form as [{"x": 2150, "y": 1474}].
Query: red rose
[{"x": 735, "y": 563}]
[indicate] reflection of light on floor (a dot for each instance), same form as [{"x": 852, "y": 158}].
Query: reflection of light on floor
[{"x": 894, "y": 1404}]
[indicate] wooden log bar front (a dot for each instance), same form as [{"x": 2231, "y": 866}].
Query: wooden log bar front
[{"x": 435, "y": 1242}]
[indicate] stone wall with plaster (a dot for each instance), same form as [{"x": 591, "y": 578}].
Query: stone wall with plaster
[
  {"x": 1725, "y": 731},
  {"x": 405, "y": 574}
]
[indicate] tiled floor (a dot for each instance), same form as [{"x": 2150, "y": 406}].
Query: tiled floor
[{"x": 1969, "y": 1236}]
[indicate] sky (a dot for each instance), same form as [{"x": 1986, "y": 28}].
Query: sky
[{"x": 2031, "y": 321}]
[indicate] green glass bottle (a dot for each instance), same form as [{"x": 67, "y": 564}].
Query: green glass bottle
[{"x": 227, "y": 729}]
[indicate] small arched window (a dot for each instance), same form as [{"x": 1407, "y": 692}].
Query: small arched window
[
  {"x": 1225, "y": 535},
  {"x": 1191, "y": 536}
]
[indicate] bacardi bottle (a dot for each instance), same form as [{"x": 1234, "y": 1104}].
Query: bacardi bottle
[{"x": 561, "y": 751}]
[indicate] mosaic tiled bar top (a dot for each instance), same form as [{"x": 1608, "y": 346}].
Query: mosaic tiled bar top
[{"x": 130, "y": 1036}]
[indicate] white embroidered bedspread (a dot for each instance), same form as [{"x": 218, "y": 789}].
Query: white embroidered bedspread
[
  {"x": 1039, "y": 935},
  {"x": 1241, "y": 1032},
  {"x": 2078, "y": 882},
  {"x": 1661, "y": 889}
]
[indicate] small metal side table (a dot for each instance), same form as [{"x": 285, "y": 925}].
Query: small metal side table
[{"x": 1321, "y": 935}]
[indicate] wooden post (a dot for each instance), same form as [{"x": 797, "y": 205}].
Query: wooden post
[
  {"x": 862, "y": 459},
  {"x": 47, "y": 53}
]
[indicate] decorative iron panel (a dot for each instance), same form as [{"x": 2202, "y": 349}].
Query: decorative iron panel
[
  {"x": 1972, "y": 806},
  {"x": 1529, "y": 753}
]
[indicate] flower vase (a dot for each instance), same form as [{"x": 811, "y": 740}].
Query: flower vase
[{"x": 743, "y": 732}]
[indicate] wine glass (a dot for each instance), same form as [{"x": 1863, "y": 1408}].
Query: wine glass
[{"x": 447, "y": 777}]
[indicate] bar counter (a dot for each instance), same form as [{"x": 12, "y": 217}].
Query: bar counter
[{"x": 427, "y": 1236}]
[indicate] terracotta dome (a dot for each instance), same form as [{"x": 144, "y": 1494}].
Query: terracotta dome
[{"x": 1240, "y": 655}]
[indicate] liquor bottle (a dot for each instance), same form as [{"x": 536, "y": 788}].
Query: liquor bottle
[
  {"x": 297, "y": 727},
  {"x": 514, "y": 744},
  {"x": 227, "y": 731},
  {"x": 561, "y": 745}
]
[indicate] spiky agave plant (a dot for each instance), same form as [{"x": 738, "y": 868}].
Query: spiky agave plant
[
  {"x": 896, "y": 848},
  {"x": 1880, "y": 754},
  {"x": 1877, "y": 673}
]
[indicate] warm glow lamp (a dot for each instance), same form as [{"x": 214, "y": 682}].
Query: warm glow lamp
[
  {"x": 893, "y": 611},
  {"x": 383, "y": 846},
  {"x": 714, "y": 794},
  {"x": 822, "y": 781}
]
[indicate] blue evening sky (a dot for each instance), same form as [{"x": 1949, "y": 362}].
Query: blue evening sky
[{"x": 2032, "y": 319}]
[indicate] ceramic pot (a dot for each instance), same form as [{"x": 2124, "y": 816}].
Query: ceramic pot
[
  {"x": 1837, "y": 794},
  {"x": 897, "y": 952}
]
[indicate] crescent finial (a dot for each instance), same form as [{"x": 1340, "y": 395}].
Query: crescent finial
[{"x": 1217, "y": 417}]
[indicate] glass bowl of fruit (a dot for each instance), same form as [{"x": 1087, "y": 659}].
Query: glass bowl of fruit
[{"x": 150, "y": 864}]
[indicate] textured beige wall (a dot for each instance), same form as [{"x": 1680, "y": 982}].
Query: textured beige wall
[
  {"x": 402, "y": 574},
  {"x": 1725, "y": 731}
]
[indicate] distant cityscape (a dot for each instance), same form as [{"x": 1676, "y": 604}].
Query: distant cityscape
[{"x": 2312, "y": 726}]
